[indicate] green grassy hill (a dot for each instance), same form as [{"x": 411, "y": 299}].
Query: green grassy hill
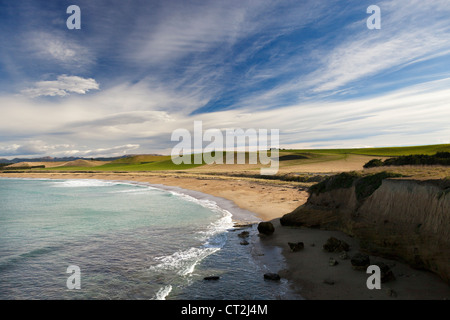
[
  {"x": 381, "y": 152},
  {"x": 287, "y": 158}
]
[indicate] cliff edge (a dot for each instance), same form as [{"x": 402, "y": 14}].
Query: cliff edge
[{"x": 392, "y": 216}]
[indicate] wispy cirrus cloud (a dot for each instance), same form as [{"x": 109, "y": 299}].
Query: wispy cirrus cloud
[
  {"x": 408, "y": 36},
  {"x": 397, "y": 117},
  {"x": 64, "y": 85},
  {"x": 310, "y": 68}
]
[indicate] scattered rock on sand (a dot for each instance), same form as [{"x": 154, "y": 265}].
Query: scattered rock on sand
[
  {"x": 391, "y": 293},
  {"x": 266, "y": 228},
  {"x": 333, "y": 262},
  {"x": 243, "y": 234},
  {"x": 360, "y": 261},
  {"x": 272, "y": 276},
  {"x": 335, "y": 245},
  {"x": 296, "y": 246},
  {"x": 343, "y": 256},
  {"x": 386, "y": 272}
]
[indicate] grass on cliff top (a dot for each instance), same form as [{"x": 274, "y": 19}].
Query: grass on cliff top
[
  {"x": 365, "y": 184},
  {"x": 382, "y": 152}
]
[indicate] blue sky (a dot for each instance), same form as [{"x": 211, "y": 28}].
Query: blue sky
[{"x": 137, "y": 70}]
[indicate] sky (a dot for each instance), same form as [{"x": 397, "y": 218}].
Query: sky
[{"x": 138, "y": 70}]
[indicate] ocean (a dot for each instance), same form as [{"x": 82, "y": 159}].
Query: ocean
[{"x": 130, "y": 241}]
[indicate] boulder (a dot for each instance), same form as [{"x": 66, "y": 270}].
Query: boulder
[
  {"x": 296, "y": 246},
  {"x": 335, "y": 245},
  {"x": 386, "y": 272},
  {"x": 272, "y": 276},
  {"x": 211, "y": 278},
  {"x": 360, "y": 261},
  {"x": 266, "y": 228},
  {"x": 244, "y": 243}
]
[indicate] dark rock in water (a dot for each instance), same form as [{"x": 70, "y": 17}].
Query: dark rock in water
[
  {"x": 333, "y": 262},
  {"x": 241, "y": 225},
  {"x": 296, "y": 246},
  {"x": 266, "y": 228},
  {"x": 244, "y": 242},
  {"x": 211, "y": 278},
  {"x": 244, "y": 234},
  {"x": 360, "y": 261},
  {"x": 272, "y": 276},
  {"x": 335, "y": 245},
  {"x": 386, "y": 272}
]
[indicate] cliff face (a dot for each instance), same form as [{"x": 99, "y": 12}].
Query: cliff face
[{"x": 402, "y": 219}]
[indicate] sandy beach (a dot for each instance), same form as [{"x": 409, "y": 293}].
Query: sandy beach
[{"x": 308, "y": 270}]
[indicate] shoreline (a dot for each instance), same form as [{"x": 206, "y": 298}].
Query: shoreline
[{"x": 307, "y": 271}]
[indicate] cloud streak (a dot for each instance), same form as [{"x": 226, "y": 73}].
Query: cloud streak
[
  {"x": 63, "y": 86},
  {"x": 396, "y": 118},
  {"x": 309, "y": 68}
]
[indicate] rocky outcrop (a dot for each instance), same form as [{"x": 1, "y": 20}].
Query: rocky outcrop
[{"x": 399, "y": 218}]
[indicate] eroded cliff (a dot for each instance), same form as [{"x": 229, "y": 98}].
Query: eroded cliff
[{"x": 397, "y": 218}]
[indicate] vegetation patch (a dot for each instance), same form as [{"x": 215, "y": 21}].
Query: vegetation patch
[
  {"x": 367, "y": 185},
  {"x": 439, "y": 158},
  {"x": 341, "y": 180},
  {"x": 292, "y": 157},
  {"x": 23, "y": 167}
]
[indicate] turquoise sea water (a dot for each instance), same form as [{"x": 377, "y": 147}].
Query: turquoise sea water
[{"x": 130, "y": 241}]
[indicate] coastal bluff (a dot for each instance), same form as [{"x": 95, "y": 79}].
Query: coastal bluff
[{"x": 393, "y": 217}]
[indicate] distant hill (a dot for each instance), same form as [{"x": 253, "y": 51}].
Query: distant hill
[
  {"x": 83, "y": 163},
  {"x": 62, "y": 159}
]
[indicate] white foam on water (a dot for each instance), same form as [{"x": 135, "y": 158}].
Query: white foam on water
[
  {"x": 81, "y": 183},
  {"x": 163, "y": 293},
  {"x": 133, "y": 191},
  {"x": 182, "y": 262}
]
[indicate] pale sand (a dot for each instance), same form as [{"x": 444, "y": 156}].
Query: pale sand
[{"x": 306, "y": 269}]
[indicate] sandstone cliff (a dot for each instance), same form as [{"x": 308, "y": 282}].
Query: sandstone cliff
[{"x": 396, "y": 218}]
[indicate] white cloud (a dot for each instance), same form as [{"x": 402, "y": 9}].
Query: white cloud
[
  {"x": 62, "y": 86},
  {"x": 411, "y": 33},
  {"x": 415, "y": 115},
  {"x": 56, "y": 47}
]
